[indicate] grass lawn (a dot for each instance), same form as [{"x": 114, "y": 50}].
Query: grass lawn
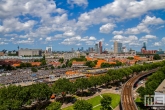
[
  {"x": 138, "y": 99},
  {"x": 96, "y": 100}
]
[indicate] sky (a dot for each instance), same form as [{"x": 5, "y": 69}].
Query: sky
[{"x": 66, "y": 24}]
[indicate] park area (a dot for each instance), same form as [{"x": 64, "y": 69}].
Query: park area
[{"x": 95, "y": 101}]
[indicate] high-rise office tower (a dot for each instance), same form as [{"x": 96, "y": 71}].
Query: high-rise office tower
[
  {"x": 100, "y": 47},
  {"x": 49, "y": 49},
  {"x": 96, "y": 48},
  {"x": 117, "y": 47}
]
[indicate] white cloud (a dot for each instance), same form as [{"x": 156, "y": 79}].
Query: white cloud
[
  {"x": 137, "y": 30},
  {"x": 117, "y": 32},
  {"x": 40, "y": 38},
  {"x": 24, "y": 42},
  {"x": 157, "y": 44},
  {"x": 163, "y": 40},
  {"x": 78, "y": 2},
  {"x": 69, "y": 33},
  {"x": 147, "y": 37},
  {"x": 92, "y": 38},
  {"x": 55, "y": 20},
  {"x": 130, "y": 40},
  {"x": 152, "y": 21},
  {"x": 78, "y": 40},
  {"x": 78, "y": 44},
  {"x": 106, "y": 44},
  {"x": 120, "y": 10},
  {"x": 143, "y": 27},
  {"x": 89, "y": 43},
  {"x": 13, "y": 24},
  {"x": 3, "y": 43},
  {"x": 48, "y": 39},
  {"x": 107, "y": 28}
]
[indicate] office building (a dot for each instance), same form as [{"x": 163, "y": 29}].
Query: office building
[
  {"x": 30, "y": 52},
  {"x": 100, "y": 47},
  {"x": 117, "y": 47},
  {"x": 96, "y": 48},
  {"x": 49, "y": 49}
]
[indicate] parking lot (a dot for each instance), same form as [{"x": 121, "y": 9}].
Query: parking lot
[{"x": 27, "y": 77}]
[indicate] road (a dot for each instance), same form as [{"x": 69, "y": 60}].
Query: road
[{"x": 127, "y": 101}]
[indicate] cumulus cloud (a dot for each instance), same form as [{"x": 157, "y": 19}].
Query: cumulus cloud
[
  {"x": 3, "y": 43},
  {"x": 92, "y": 38},
  {"x": 40, "y": 38},
  {"x": 13, "y": 24},
  {"x": 69, "y": 33},
  {"x": 143, "y": 26},
  {"x": 117, "y": 32},
  {"x": 120, "y": 10},
  {"x": 78, "y": 2},
  {"x": 50, "y": 20},
  {"x": 107, "y": 28},
  {"x": 146, "y": 38},
  {"x": 130, "y": 40},
  {"x": 24, "y": 42},
  {"x": 157, "y": 44},
  {"x": 78, "y": 40},
  {"x": 152, "y": 21},
  {"x": 48, "y": 39}
]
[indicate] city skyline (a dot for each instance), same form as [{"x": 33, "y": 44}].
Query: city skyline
[{"x": 66, "y": 24}]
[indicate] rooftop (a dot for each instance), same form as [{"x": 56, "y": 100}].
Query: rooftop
[{"x": 161, "y": 87}]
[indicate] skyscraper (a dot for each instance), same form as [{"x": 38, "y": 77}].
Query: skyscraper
[
  {"x": 49, "y": 49},
  {"x": 96, "y": 48},
  {"x": 117, "y": 47},
  {"x": 100, "y": 47}
]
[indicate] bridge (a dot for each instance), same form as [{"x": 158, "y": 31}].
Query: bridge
[{"x": 127, "y": 100}]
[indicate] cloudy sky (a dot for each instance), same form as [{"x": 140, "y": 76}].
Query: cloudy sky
[{"x": 66, "y": 24}]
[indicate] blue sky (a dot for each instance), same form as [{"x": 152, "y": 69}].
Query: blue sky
[{"x": 66, "y": 24}]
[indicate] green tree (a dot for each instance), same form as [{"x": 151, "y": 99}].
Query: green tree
[
  {"x": 28, "y": 64},
  {"x": 92, "y": 64},
  {"x": 34, "y": 69},
  {"x": 105, "y": 79},
  {"x": 63, "y": 66},
  {"x": 95, "y": 62},
  {"x": 67, "y": 63},
  {"x": 54, "y": 106},
  {"x": 95, "y": 80},
  {"x": 61, "y": 60},
  {"x": 52, "y": 67},
  {"x": 58, "y": 67},
  {"x": 43, "y": 62},
  {"x": 156, "y": 57},
  {"x": 130, "y": 58},
  {"x": 105, "y": 102},
  {"x": 82, "y": 105},
  {"x": 82, "y": 83},
  {"x": 62, "y": 86}
]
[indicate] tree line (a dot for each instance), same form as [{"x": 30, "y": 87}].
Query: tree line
[{"x": 152, "y": 83}]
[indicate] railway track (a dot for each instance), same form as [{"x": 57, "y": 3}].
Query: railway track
[{"x": 127, "y": 101}]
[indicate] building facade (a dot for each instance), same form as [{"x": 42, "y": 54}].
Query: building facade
[
  {"x": 96, "y": 48},
  {"x": 117, "y": 47},
  {"x": 49, "y": 49},
  {"x": 30, "y": 52},
  {"x": 100, "y": 47}
]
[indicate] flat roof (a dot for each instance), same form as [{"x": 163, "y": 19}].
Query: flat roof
[{"x": 161, "y": 87}]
